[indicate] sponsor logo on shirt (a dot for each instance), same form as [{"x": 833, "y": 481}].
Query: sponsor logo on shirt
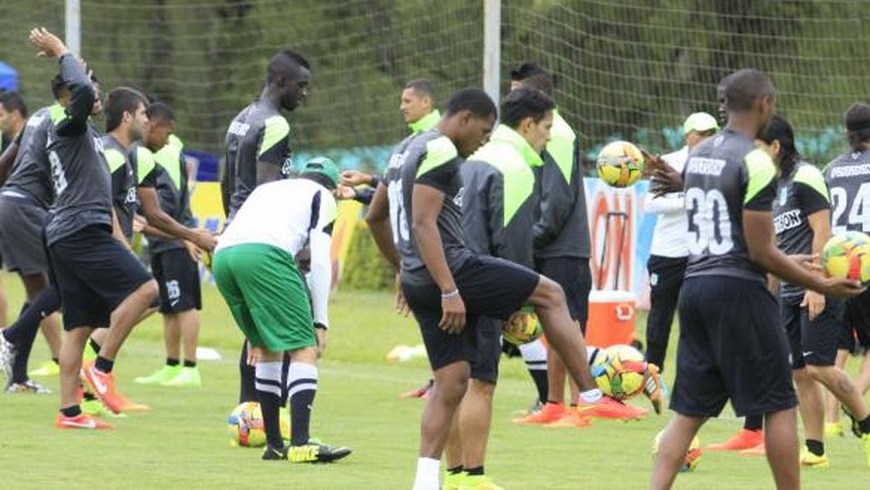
[
  {"x": 238, "y": 128},
  {"x": 787, "y": 221},
  {"x": 850, "y": 170},
  {"x": 705, "y": 166}
]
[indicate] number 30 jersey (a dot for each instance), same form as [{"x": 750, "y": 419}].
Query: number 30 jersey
[
  {"x": 848, "y": 179},
  {"x": 723, "y": 176}
]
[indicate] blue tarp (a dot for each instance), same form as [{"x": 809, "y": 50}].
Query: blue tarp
[{"x": 8, "y": 77}]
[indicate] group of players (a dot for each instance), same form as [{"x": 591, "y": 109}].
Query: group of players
[
  {"x": 480, "y": 219},
  {"x": 70, "y": 201}
]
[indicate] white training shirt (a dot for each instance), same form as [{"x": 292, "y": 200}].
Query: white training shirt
[
  {"x": 285, "y": 214},
  {"x": 670, "y": 237}
]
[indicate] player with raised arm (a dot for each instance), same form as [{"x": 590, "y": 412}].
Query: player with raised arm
[
  {"x": 731, "y": 343},
  {"x": 101, "y": 284}
]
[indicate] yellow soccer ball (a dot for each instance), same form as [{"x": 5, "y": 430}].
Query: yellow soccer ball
[
  {"x": 522, "y": 327},
  {"x": 245, "y": 426},
  {"x": 620, "y": 164},
  {"x": 621, "y": 372},
  {"x": 847, "y": 256},
  {"x": 693, "y": 455}
]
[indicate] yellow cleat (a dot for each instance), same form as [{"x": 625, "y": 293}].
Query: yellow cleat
[
  {"x": 810, "y": 460},
  {"x": 865, "y": 440},
  {"x": 478, "y": 482},
  {"x": 314, "y": 452},
  {"x": 453, "y": 481},
  {"x": 834, "y": 429},
  {"x": 46, "y": 369}
]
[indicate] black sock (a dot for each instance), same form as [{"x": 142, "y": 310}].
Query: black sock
[
  {"x": 95, "y": 346},
  {"x": 864, "y": 425},
  {"x": 22, "y": 353},
  {"x": 539, "y": 376},
  {"x": 56, "y": 360},
  {"x": 302, "y": 388},
  {"x": 44, "y": 304},
  {"x": 171, "y": 362},
  {"x": 73, "y": 411},
  {"x": 285, "y": 376},
  {"x": 455, "y": 470},
  {"x": 753, "y": 422},
  {"x": 247, "y": 390},
  {"x": 816, "y": 447},
  {"x": 478, "y": 471},
  {"x": 104, "y": 365},
  {"x": 268, "y": 380},
  {"x": 189, "y": 364}
]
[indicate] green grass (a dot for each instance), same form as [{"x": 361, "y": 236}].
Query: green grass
[{"x": 182, "y": 443}]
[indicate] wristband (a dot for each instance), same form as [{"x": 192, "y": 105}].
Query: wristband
[{"x": 451, "y": 294}]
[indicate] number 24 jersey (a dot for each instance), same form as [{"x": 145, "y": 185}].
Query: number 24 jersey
[{"x": 848, "y": 179}]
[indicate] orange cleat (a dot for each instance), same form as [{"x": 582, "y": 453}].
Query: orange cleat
[
  {"x": 82, "y": 421},
  {"x": 103, "y": 385},
  {"x": 745, "y": 439},
  {"x": 572, "y": 418},
  {"x": 421, "y": 392},
  {"x": 609, "y": 408},
  {"x": 128, "y": 405},
  {"x": 549, "y": 413},
  {"x": 758, "y": 450}
]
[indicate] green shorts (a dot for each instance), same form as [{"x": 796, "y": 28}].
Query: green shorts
[{"x": 267, "y": 296}]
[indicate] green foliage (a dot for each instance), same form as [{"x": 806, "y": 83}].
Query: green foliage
[{"x": 365, "y": 268}]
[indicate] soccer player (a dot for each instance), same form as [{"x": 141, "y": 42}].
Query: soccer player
[
  {"x": 440, "y": 275},
  {"x": 499, "y": 209},
  {"x": 731, "y": 345},
  {"x": 126, "y": 120},
  {"x": 258, "y": 151},
  {"x": 418, "y": 107},
  {"x": 562, "y": 248},
  {"x": 670, "y": 247},
  {"x": 802, "y": 220},
  {"x": 256, "y": 273},
  {"x": 101, "y": 284},
  {"x": 24, "y": 202},
  {"x": 171, "y": 260},
  {"x": 848, "y": 179}
]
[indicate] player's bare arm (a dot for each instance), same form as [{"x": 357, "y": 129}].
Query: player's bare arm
[
  {"x": 758, "y": 230},
  {"x": 159, "y": 219},
  {"x": 426, "y": 203}
]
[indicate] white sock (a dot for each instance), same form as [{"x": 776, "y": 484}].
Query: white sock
[
  {"x": 428, "y": 473},
  {"x": 535, "y": 355},
  {"x": 591, "y": 396}
]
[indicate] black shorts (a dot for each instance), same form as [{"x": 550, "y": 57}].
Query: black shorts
[
  {"x": 178, "y": 280},
  {"x": 94, "y": 274},
  {"x": 21, "y": 241},
  {"x": 858, "y": 318},
  {"x": 732, "y": 345},
  {"x": 490, "y": 287},
  {"x": 813, "y": 342},
  {"x": 575, "y": 277}
]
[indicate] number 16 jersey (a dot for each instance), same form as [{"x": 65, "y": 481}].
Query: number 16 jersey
[
  {"x": 848, "y": 179},
  {"x": 723, "y": 176}
]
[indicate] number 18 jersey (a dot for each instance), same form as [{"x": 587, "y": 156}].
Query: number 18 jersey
[
  {"x": 848, "y": 179},
  {"x": 723, "y": 176}
]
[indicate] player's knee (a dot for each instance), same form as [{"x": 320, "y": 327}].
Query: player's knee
[
  {"x": 482, "y": 389},
  {"x": 550, "y": 294},
  {"x": 801, "y": 375},
  {"x": 150, "y": 290}
]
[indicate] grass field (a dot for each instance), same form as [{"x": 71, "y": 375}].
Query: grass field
[{"x": 182, "y": 443}]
